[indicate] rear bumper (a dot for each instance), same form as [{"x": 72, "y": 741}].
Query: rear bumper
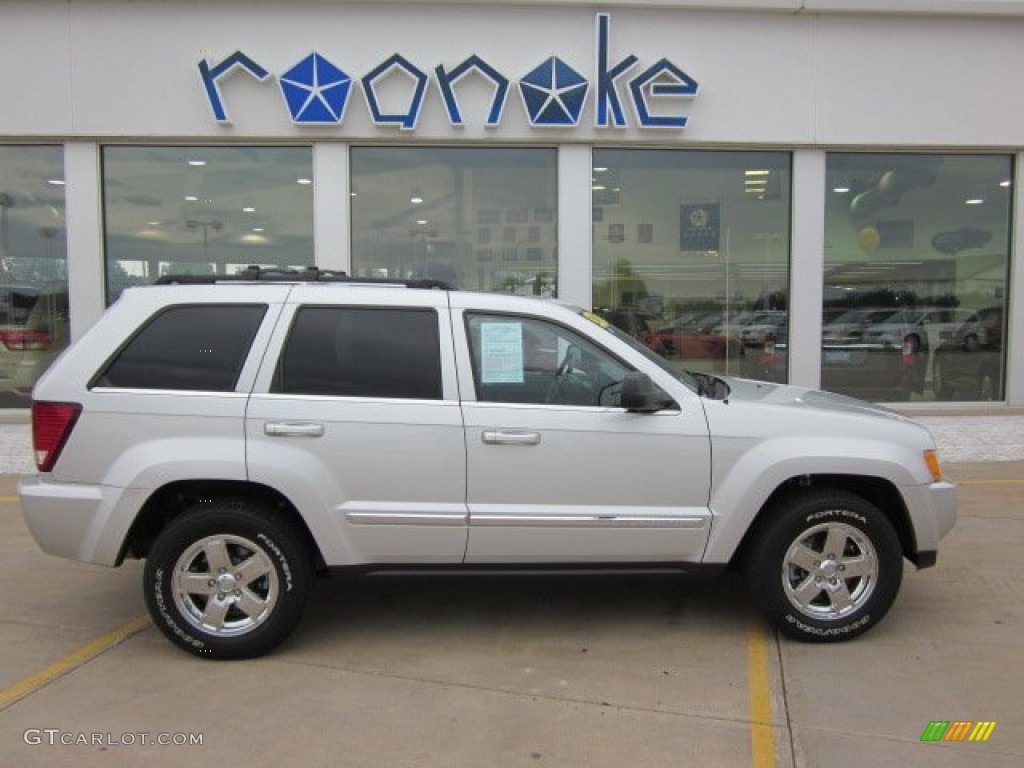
[{"x": 79, "y": 522}]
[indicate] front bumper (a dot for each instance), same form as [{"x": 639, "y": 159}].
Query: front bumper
[{"x": 933, "y": 514}]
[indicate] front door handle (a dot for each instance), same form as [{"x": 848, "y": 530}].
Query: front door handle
[
  {"x": 510, "y": 437},
  {"x": 293, "y": 429}
]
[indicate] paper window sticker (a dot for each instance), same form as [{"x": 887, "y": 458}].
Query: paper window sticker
[{"x": 501, "y": 353}]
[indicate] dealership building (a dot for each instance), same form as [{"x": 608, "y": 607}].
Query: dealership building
[{"x": 818, "y": 192}]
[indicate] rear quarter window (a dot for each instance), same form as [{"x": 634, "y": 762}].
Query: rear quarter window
[{"x": 194, "y": 347}]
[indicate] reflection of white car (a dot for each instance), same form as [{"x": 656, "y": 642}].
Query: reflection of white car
[
  {"x": 921, "y": 327},
  {"x": 764, "y": 324},
  {"x": 33, "y": 330},
  {"x": 850, "y": 325},
  {"x": 747, "y": 320}
]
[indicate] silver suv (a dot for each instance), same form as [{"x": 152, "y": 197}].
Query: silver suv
[{"x": 243, "y": 437}]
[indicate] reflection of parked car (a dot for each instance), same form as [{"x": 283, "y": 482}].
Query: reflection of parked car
[
  {"x": 968, "y": 363},
  {"x": 33, "y": 330},
  {"x": 737, "y": 324},
  {"x": 921, "y": 327},
  {"x": 982, "y": 328},
  {"x": 850, "y": 325},
  {"x": 691, "y": 337},
  {"x": 764, "y": 325}
]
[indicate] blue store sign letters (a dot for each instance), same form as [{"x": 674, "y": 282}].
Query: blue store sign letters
[{"x": 316, "y": 91}]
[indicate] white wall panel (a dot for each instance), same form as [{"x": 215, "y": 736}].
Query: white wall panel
[{"x": 114, "y": 69}]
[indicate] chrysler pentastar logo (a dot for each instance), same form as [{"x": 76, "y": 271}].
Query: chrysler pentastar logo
[
  {"x": 554, "y": 94},
  {"x": 315, "y": 90}
]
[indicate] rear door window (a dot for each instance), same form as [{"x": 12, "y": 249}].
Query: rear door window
[{"x": 362, "y": 352}]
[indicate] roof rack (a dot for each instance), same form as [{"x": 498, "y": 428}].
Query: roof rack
[{"x": 255, "y": 273}]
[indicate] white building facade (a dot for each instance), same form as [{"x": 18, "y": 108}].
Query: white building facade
[{"x": 820, "y": 192}]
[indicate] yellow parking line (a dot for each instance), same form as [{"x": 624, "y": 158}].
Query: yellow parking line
[
  {"x": 5, "y": 499},
  {"x": 71, "y": 662},
  {"x": 762, "y": 730}
]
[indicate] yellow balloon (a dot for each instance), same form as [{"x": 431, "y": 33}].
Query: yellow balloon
[{"x": 869, "y": 239}]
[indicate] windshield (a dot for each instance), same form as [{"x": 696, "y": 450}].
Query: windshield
[{"x": 685, "y": 377}]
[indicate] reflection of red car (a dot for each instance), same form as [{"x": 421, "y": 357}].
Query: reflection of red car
[{"x": 693, "y": 338}]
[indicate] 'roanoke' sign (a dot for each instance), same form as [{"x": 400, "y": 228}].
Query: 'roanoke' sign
[{"x": 316, "y": 91}]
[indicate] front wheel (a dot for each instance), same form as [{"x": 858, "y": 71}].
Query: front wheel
[
  {"x": 227, "y": 580},
  {"x": 826, "y": 566}
]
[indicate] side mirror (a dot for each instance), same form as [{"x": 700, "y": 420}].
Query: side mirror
[{"x": 641, "y": 395}]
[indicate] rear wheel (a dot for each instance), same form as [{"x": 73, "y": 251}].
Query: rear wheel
[
  {"x": 227, "y": 580},
  {"x": 827, "y": 566}
]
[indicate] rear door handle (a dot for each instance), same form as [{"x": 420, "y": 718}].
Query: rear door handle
[
  {"x": 293, "y": 429},
  {"x": 510, "y": 437}
]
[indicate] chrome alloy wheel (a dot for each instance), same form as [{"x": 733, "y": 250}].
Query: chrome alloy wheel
[
  {"x": 225, "y": 585},
  {"x": 830, "y": 571}
]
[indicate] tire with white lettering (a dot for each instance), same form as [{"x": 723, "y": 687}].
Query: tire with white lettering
[
  {"x": 227, "y": 579},
  {"x": 825, "y": 566}
]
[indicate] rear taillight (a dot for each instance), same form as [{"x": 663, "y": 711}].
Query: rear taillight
[
  {"x": 51, "y": 426},
  {"x": 24, "y": 341}
]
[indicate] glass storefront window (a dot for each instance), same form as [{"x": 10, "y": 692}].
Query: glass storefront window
[
  {"x": 691, "y": 255},
  {"x": 204, "y": 210},
  {"x": 916, "y": 268},
  {"x": 481, "y": 219},
  {"x": 33, "y": 268}
]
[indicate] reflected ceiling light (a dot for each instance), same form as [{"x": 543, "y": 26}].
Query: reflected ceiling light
[
  {"x": 840, "y": 189},
  {"x": 303, "y": 181},
  {"x": 598, "y": 187},
  {"x": 599, "y": 169},
  {"x": 757, "y": 172},
  {"x": 191, "y": 198},
  {"x": 1005, "y": 183},
  {"x": 974, "y": 201},
  {"x": 257, "y": 229},
  {"x": 421, "y": 222},
  {"x": 153, "y": 223},
  {"x": 416, "y": 197},
  {"x": 248, "y": 209},
  {"x": 56, "y": 182},
  {"x": 197, "y": 163}
]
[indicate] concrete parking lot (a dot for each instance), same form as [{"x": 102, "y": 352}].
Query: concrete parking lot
[{"x": 525, "y": 671}]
